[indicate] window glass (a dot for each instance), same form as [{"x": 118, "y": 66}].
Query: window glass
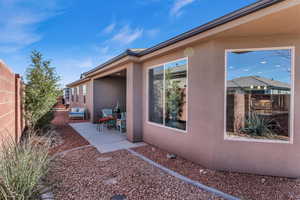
[
  {"x": 168, "y": 93},
  {"x": 258, "y": 103},
  {"x": 175, "y": 94},
  {"x": 156, "y": 82},
  {"x": 84, "y": 90}
]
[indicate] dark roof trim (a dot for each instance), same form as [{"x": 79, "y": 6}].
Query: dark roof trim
[
  {"x": 128, "y": 52},
  {"x": 208, "y": 26},
  {"x": 213, "y": 24}
]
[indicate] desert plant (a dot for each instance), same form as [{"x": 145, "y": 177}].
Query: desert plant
[
  {"x": 256, "y": 125},
  {"x": 41, "y": 90},
  {"x": 22, "y": 166}
]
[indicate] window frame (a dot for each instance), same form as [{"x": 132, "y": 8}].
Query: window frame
[
  {"x": 164, "y": 103},
  {"x": 77, "y": 94},
  {"x": 84, "y": 92},
  {"x": 72, "y": 94},
  {"x": 292, "y": 98}
]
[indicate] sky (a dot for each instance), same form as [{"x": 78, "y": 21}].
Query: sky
[
  {"x": 79, "y": 35},
  {"x": 272, "y": 64}
]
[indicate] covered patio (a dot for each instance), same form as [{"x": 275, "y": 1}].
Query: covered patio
[{"x": 105, "y": 141}]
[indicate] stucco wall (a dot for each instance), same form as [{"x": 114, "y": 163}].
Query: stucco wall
[
  {"x": 80, "y": 102},
  {"x": 204, "y": 141},
  {"x": 107, "y": 92}
]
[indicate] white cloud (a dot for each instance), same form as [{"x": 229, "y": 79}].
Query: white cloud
[
  {"x": 263, "y": 62},
  {"x": 109, "y": 28},
  {"x": 127, "y": 35},
  {"x": 152, "y": 32},
  {"x": 87, "y": 63},
  {"x": 176, "y": 9},
  {"x": 19, "y": 22}
]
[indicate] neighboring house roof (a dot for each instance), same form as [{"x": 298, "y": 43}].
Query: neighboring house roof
[
  {"x": 198, "y": 30},
  {"x": 247, "y": 81}
]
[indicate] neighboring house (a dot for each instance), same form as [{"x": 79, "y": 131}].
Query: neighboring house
[
  {"x": 79, "y": 95},
  {"x": 174, "y": 93},
  {"x": 263, "y": 96},
  {"x": 257, "y": 84},
  {"x": 67, "y": 95}
]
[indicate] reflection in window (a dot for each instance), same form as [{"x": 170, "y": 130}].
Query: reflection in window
[
  {"x": 259, "y": 94},
  {"x": 175, "y": 94},
  {"x": 156, "y": 80},
  {"x": 167, "y": 94}
]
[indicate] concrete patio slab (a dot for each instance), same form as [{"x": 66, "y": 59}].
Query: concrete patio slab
[{"x": 106, "y": 141}]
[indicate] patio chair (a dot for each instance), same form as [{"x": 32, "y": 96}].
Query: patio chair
[
  {"x": 106, "y": 119},
  {"x": 106, "y": 112},
  {"x": 77, "y": 112}
]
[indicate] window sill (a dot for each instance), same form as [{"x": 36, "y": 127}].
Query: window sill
[
  {"x": 244, "y": 139},
  {"x": 166, "y": 127}
]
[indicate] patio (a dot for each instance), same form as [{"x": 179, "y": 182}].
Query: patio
[{"x": 107, "y": 141}]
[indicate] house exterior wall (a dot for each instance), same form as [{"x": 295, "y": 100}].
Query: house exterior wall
[
  {"x": 204, "y": 140},
  {"x": 80, "y": 103},
  {"x": 11, "y": 112},
  {"x": 134, "y": 102},
  {"x": 107, "y": 92}
]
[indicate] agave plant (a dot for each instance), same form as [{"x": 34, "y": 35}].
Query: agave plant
[{"x": 256, "y": 125}]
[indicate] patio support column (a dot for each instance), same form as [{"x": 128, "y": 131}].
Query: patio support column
[
  {"x": 134, "y": 102},
  {"x": 92, "y": 99}
]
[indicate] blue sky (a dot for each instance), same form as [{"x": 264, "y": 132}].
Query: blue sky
[
  {"x": 272, "y": 64},
  {"x": 79, "y": 35}
]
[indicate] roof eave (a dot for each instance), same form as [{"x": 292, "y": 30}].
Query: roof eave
[
  {"x": 77, "y": 82},
  {"x": 213, "y": 24}
]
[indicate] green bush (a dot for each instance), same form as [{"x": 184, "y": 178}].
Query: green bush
[
  {"x": 256, "y": 125},
  {"x": 45, "y": 120},
  {"x": 41, "y": 90},
  {"x": 22, "y": 166}
]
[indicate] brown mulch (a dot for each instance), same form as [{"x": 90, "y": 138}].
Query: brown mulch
[
  {"x": 70, "y": 137},
  {"x": 242, "y": 185},
  {"x": 79, "y": 175}
]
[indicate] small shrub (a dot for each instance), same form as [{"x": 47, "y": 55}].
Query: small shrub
[
  {"x": 256, "y": 125},
  {"x": 45, "y": 120},
  {"x": 22, "y": 166}
]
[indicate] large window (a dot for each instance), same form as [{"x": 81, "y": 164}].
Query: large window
[
  {"x": 167, "y": 103},
  {"x": 259, "y": 91}
]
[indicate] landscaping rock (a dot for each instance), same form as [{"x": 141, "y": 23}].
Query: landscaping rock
[
  {"x": 119, "y": 197},
  {"x": 103, "y": 159},
  {"x": 171, "y": 156},
  {"x": 242, "y": 185},
  {"x": 110, "y": 181}
]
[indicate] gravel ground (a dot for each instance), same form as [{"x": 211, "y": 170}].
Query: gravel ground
[
  {"x": 87, "y": 174},
  {"x": 244, "y": 186},
  {"x": 70, "y": 137}
]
